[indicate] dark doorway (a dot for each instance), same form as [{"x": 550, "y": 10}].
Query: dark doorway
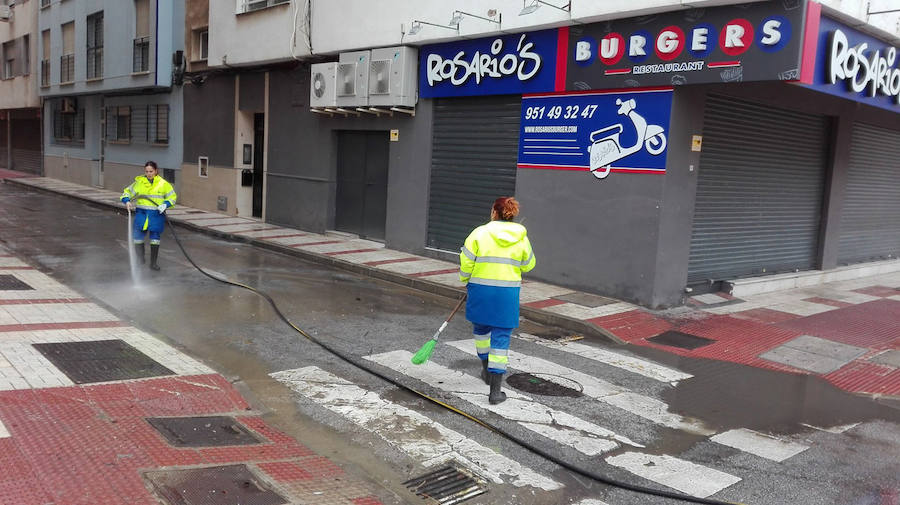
[
  {"x": 362, "y": 183},
  {"x": 259, "y": 136}
]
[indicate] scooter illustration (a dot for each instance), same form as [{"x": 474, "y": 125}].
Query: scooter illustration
[{"x": 606, "y": 149}]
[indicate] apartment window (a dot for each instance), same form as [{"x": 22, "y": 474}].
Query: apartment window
[
  {"x": 26, "y": 55},
  {"x": 203, "y": 44},
  {"x": 141, "y": 46},
  {"x": 68, "y": 122},
  {"x": 67, "y": 60},
  {"x": 45, "y": 3},
  {"x": 9, "y": 60},
  {"x": 95, "y": 46},
  {"x": 203, "y": 166},
  {"x": 255, "y": 5},
  {"x": 158, "y": 124},
  {"x": 118, "y": 124},
  {"x": 45, "y": 58}
]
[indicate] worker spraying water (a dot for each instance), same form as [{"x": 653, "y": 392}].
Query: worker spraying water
[{"x": 149, "y": 196}]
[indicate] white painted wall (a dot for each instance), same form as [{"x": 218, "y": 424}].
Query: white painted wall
[
  {"x": 345, "y": 25},
  {"x": 21, "y": 91}
]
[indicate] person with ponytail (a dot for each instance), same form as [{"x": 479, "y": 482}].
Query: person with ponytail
[{"x": 491, "y": 265}]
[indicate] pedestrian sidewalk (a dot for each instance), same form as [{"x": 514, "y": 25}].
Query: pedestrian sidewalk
[
  {"x": 847, "y": 332},
  {"x": 94, "y": 411}
]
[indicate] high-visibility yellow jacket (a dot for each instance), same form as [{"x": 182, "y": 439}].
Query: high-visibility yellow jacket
[
  {"x": 152, "y": 193},
  {"x": 496, "y": 254}
]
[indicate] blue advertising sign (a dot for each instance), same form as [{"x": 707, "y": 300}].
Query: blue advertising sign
[
  {"x": 510, "y": 64},
  {"x": 601, "y": 132},
  {"x": 857, "y": 66}
]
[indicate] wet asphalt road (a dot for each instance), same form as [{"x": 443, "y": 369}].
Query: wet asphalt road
[{"x": 235, "y": 332}]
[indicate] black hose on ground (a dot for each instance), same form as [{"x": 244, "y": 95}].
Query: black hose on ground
[{"x": 517, "y": 440}]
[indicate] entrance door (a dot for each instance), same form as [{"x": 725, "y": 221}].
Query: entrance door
[
  {"x": 259, "y": 135},
  {"x": 97, "y": 178},
  {"x": 362, "y": 183}
]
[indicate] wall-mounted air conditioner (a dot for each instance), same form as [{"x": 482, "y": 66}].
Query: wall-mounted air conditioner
[
  {"x": 392, "y": 77},
  {"x": 353, "y": 79},
  {"x": 322, "y": 85},
  {"x": 4, "y": 12}
]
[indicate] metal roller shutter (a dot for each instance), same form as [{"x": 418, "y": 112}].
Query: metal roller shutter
[
  {"x": 870, "y": 222},
  {"x": 473, "y": 162},
  {"x": 759, "y": 191}
]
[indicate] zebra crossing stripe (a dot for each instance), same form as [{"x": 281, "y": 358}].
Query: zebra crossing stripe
[
  {"x": 4, "y": 433},
  {"x": 690, "y": 478},
  {"x": 760, "y": 444},
  {"x": 639, "y": 366},
  {"x": 591, "y": 501},
  {"x": 559, "y": 426},
  {"x": 404, "y": 428},
  {"x": 637, "y": 404}
]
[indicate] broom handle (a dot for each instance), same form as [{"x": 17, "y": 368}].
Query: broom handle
[{"x": 447, "y": 321}]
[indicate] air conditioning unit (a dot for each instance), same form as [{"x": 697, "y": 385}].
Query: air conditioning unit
[
  {"x": 68, "y": 106},
  {"x": 4, "y": 12},
  {"x": 322, "y": 85},
  {"x": 392, "y": 77},
  {"x": 353, "y": 79}
]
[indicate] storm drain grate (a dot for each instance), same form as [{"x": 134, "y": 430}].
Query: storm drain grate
[
  {"x": 217, "y": 485},
  {"x": 683, "y": 340},
  {"x": 209, "y": 431},
  {"x": 101, "y": 361},
  {"x": 13, "y": 283},
  {"x": 446, "y": 485},
  {"x": 543, "y": 384}
]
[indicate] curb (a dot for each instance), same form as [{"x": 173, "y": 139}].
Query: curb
[{"x": 536, "y": 315}]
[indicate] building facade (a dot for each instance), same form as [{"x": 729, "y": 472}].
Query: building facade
[
  {"x": 20, "y": 119},
  {"x": 111, "y": 89}
]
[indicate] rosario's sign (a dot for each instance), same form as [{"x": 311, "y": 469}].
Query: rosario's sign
[
  {"x": 854, "y": 65},
  {"x": 520, "y": 63}
]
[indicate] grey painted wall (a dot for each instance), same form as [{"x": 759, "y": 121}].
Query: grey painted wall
[
  {"x": 252, "y": 94},
  {"x": 302, "y": 162},
  {"x": 209, "y": 121}
]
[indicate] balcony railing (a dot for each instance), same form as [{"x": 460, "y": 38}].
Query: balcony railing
[
  {"x": 67, "y": 68},
  {"x": 141, "y": 59},
  {"x": 95, "y": 63},
  {"x": 45, "y": 72}
]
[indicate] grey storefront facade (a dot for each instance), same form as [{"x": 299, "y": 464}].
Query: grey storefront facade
[{"x": 735, "y": 173}]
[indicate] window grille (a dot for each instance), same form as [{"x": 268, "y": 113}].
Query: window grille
[
  {"x": 95, "y": 46},
  {"x": 141, "y": 57}
]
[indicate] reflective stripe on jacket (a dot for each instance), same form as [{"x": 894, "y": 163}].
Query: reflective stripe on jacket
[
  {"x": 152, "y": 193},
  {"x": 496, "y": 254}
]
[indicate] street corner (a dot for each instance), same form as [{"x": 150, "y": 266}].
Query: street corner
[{"x": 173, "y": 439}]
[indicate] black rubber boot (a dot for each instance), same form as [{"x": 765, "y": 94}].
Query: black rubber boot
[
  {"x": 485, "y": 375},
  {"x": 139, "y": 250},
  {"x": 154, "y": 254},
  {"x": 496, "y": 396}
]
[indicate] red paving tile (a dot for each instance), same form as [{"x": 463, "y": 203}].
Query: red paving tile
[
  {"x": 882, "y": 291},
  {"x": 317, "y": 243},
  {"x": 632, "y": 325},
  {"x": 863, "y": 325},
  {"x": 765, "y": 316},
  {"x": 338, "y": 253},
  {"x": 89, "y": 444},
  {"x": 860, "y": 377},
  {"x": 828, "y": 301},
  {"x": 543, "y": 304},
  {"x": 386, "y": 262},
  {"x": 435, "y": 272}
]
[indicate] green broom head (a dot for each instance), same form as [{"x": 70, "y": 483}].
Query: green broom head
[{"x": 424, "y": 353}]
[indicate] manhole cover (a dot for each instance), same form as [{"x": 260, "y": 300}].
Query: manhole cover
[
  {"x": 217, "y": 485},
  {"x": 543, "y": 384},
  {"x": 683, "y": 340},
  {"x": 446, "y": 485},
  {"x": 12, "y": 283},
  {"x": 101, "y": 361},
  {"x": 212, "y": 431}
]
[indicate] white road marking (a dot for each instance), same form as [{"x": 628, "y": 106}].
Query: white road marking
[
  {"x": 591, "y": 501},
  {"x": 834, "y": 429},
  {"x": 687, "y": 477},
  {"x": 561, "y": 427},
  {"x": 760, "y": 444},
  {"x": 4, "y": 433},
  {"x": 639, "y": 366},
  {"x": 639, "y": 405},
  {"x": 428, "y": 442}
]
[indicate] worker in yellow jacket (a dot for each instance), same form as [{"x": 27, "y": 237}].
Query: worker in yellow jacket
[
  {"x": 149, "y": 196},
  {"x": 491, "y": 264}
]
